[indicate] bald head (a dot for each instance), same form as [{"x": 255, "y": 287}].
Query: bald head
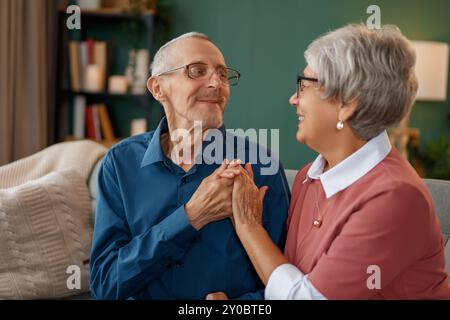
[{"x": 165, "y": 58}]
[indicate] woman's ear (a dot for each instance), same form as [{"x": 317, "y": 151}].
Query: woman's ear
[
  {"x": 347, "y": 110},
  {"x": 154, "y": 86}
]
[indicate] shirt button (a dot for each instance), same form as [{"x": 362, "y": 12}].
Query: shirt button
[{"x": 183, "y": 180}]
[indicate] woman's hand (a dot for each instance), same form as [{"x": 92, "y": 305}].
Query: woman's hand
[
  {"x": 247, "y": 208},
  {"x": 247, "y": 199}
]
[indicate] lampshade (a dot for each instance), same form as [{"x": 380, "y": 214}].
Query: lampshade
[{"x": 431, "y": 70}]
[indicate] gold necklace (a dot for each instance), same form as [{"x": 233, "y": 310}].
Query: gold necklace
[{"x": 317, "y": 222}]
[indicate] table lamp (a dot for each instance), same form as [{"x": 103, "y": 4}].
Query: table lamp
[{"x": 432, "y": 73}]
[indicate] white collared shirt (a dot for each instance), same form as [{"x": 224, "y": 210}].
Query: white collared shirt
[
  {"x": 353, "y": 167},
  {"x": 287, "y": 281}
]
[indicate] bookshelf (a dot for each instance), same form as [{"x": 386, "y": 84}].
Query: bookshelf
[
  {"x": 111, "y": 27},
  {"x": 112, "y": 13}
]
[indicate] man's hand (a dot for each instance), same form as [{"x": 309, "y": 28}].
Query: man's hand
[
  {"x": 212, "y": 200},
  {"x": 217, "y": 296}
]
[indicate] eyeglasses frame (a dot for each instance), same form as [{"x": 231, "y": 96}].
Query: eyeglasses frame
[{"x": 186, "y": 67}]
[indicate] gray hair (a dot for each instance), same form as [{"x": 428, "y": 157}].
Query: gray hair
[
  {"x": 162, "y": 58},
  {"x": 375, "y": 67}
]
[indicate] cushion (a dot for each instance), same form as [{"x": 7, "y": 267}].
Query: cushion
[
  {"x": 45, "y": 237},
  {"x": 440, "y": 191},
  {"x": 93, "y": 187},
  {"x": 290, "y": 176}
]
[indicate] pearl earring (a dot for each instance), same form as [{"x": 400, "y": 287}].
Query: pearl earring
[{"x": 340, "y": 125}]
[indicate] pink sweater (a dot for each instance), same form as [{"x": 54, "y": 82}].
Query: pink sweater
[{"x": 385, "y": 222}]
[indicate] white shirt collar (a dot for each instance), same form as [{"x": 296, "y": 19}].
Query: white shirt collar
[{"x": 353, "y": 167}]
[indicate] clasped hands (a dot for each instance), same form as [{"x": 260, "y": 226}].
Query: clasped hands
[{"x": 229, "y": 192}]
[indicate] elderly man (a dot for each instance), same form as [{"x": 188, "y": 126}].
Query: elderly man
[{"x": 162, "y": 228}]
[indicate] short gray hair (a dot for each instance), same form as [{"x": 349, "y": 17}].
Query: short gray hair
[
  {"x": 375, "y": 67},
  {"x": 161, "y": 60}
]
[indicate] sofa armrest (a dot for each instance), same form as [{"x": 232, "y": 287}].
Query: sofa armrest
[{"x": 93, "y": 187}]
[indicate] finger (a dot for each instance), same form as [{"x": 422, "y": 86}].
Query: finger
[
  {"x": 235, "y": 163},
  {"x": 235, "y": 170},
  {"x": 262, "y": 192},
  {"x": 240, "y": 178},
  {"x": 227, "y": 175},
  {"x": 230, "y": 173},
  {"x": 211, "y": 296},
  {"x": 238, "y": 183},
  {"x": 249, "y": 169},
  {"x": 222, "y": 167}
]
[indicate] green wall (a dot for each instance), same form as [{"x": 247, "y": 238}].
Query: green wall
[{"x": 265, "y": 40}]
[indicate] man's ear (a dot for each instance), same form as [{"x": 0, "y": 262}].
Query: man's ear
[
  {"x": 154, "y": 86},
  {"x": 347, "y": 110}
]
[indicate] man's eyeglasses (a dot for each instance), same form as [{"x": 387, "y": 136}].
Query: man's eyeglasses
[
  {"x": 301, "y": 83},
  {"x": 201, "y": 71}
]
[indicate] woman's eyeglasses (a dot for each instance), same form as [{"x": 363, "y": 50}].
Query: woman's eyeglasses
[{"x": 301, "y": 83}]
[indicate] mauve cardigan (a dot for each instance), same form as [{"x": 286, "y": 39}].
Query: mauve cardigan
[{"x": 385, "y": 222}]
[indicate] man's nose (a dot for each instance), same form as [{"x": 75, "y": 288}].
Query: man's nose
[
  {"x": 214, "y": 80},
  {"x": 293, "y": 100}
]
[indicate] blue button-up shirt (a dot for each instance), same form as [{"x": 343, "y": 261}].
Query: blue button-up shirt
[{"x": 143, "y": 244}]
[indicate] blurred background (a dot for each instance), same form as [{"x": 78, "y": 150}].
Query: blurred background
[{"x": 64, "y": 78}]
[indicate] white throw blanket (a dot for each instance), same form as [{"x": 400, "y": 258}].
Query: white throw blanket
[
  {"x": 45, "y": 222},
  {"x": 78, "y": 155}
]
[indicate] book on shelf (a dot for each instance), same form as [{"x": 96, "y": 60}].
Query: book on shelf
[
  {"x": 100, "y": 56},
  {"x": 91, "y": 121},
  {"x": 82, "y": 54},
  {"x": 96, "y": 117},
  {"x": 90, "y": 50},
  {"x": 75, "y": 69},
  {"x": 90, "y": 130},
  {"x": 79, "y": 116},
  {"x": 83, "y": 63},
  {"x": 105, "y": 122}
]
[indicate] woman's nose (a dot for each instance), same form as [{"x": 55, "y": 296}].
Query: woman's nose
[{"x": 293, "y": 100}]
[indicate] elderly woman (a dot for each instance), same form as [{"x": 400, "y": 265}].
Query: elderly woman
[{"x": 361, "y": 222}]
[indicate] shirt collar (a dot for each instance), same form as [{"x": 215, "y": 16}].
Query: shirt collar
[
  {"x": 353, "y": 167},
  {"x": 154, "y": 152}
]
